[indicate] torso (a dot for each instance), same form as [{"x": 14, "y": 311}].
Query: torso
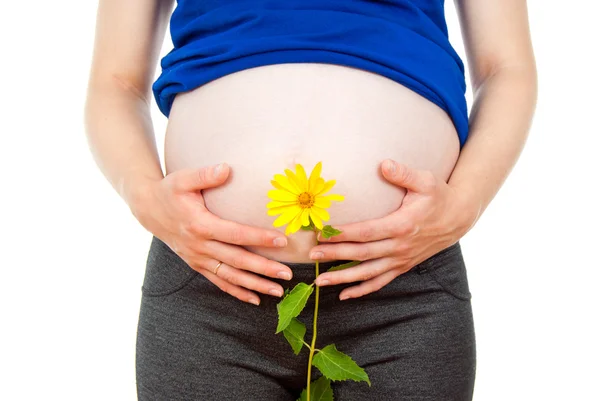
[{"x": 266, "y": 119}]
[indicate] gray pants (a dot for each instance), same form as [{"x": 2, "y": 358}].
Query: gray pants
[{"x": 414, "y": 337}]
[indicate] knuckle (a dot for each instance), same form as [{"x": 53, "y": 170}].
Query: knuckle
[
  {"x": 405, "y": 174},
  {"x": 186, "y": 227},
  {"x": 365, "y": 233},
  {"x": 377, "y": 287},
  {"x": 229, "y": 277},
  {"x": 330, "y": 253},
  {"x": 265, "y": 239},
  {"x": 270, "y": 268},
  {"x": 203, "y": 176},
  {"x": 402, "y": 247},
  {"x": 369, "y": 274},
  {"x": 409, "y": 227},
  {"x": 202, "y": 230},
  {"x": 238, "y": 260},
  {"x": 236, "y": 235},
  {"x": 234, "y": 279},
  {"x": 415, "y": 229},
  {"x": 364, "y": 253}
]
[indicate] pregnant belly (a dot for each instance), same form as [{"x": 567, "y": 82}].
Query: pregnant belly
[{"x": 263, "y": 120}]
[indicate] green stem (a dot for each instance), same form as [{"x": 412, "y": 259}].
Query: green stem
[
  {"x": 305, "y": 343},
  {"x": 314, "y": 338}
]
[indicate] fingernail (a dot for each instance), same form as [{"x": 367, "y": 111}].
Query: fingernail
[
  {"x": 276, "y": 292},
  {"x": 343, "y": 297},
  {"x": 280, "y": 242},
  {"x": 217, "y": 170},
  {"x": 254, "y": 301},
  {"x": 322, "y": 282},
  {"x": 316, "y": 255},
  {"x": 390, "y": 167},
  {"x": 284, "y": 275}
]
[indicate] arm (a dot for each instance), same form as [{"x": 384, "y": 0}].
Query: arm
[
  {"x": 434, "y": 213},
  {"x": 129, "y": 35},
  {"x": 504, "y": 80}
]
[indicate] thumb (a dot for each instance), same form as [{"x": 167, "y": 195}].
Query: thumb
[
  {"x": 401, "y": 175},
  {"x": 194, "y": 179}
]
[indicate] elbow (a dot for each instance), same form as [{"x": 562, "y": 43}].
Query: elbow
[{"x": 521, "y": 75}]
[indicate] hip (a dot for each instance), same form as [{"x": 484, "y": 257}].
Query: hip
[{"x": 415, "y": 336}]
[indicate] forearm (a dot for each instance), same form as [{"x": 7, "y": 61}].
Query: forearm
[
  {"x": 121, "y": 137},
  {"x": 500, "y": 120}
]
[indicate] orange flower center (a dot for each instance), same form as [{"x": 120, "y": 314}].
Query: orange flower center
[{"x": 306, "y": 200}]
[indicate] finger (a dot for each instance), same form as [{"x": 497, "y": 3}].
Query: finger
[
  {"x": 390, "y": 226},
  {"x": 361, "y": 272},
  {"x": 369, "y": 286},
  {"x": 240, "y": 258},
  {"x": 210, "y": 226},
  {"x": 194, "y": 179},
  {"x": 231, "y": 289},
  {"x": 251, "y": 281},
  {"x": 354, "y": 251},
  {"x": 404, "y": 176}
]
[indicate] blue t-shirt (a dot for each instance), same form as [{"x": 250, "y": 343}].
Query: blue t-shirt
[{"x": 404, "y": 40}]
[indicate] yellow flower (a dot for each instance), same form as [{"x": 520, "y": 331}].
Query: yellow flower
[{"x": 297, "y": 199}]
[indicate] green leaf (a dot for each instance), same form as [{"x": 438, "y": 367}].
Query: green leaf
[
  {"x": 338, "y": 366},
  {"x": 329, "y": 231},
  {"x": 320, "y": 390},
  {"x": 344, "y": 266},
  {"x": 294, "y": 333},
  {"x": 285, "y": 292},
  {"x": 292, "y": 305}
]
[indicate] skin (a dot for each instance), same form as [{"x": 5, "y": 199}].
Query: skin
[{"x": 434, "y": 214}]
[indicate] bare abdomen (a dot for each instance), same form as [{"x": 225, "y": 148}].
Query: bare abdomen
[{"x": 265, "y": 119}]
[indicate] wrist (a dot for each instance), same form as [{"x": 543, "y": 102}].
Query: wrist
[
  {"x": 137, "y": 193},
  {"x": 468, "y": 208}
]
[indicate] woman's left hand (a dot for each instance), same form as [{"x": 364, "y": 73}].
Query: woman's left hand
[{"x": 433, "y": 215}]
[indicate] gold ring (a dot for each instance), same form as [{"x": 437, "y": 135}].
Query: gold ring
[{"x": 217, "y": 268}]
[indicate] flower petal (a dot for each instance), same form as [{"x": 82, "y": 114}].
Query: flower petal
[
  {"x": 293, "y": 180},
  {"x": 277, "y": 185},
  {"x": 322, "y": 202},
  {"x": 275, "y": 203},
  {"x": 287, "y": 216},
  {"x": 305, "y": 214},
  {"x": 279, "y": 195},
  {"x": 328, "y": 185},
  {"x": 301, "y": 174},
  {"x": 318, "y": 186},
  {"x": 284, "y": 182},
  {"x": 315, "y": 218},
  {"x": 321, "y": 213},
  {"x": 278, "y": 210},
  {"x": 334, "y": 197},
  {"x": 314, "y": 176},
  {"x": 294, "y": 225}
]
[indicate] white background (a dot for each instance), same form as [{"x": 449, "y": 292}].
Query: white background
[{"x": 73, "y": 257}]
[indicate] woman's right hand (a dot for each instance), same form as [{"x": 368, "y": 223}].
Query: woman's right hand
[{"x": 173, "y": 209}]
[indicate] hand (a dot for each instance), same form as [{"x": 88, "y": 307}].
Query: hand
[
  {"x": 173, "y": 209},
  {"x": 433, "y": 215}
]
